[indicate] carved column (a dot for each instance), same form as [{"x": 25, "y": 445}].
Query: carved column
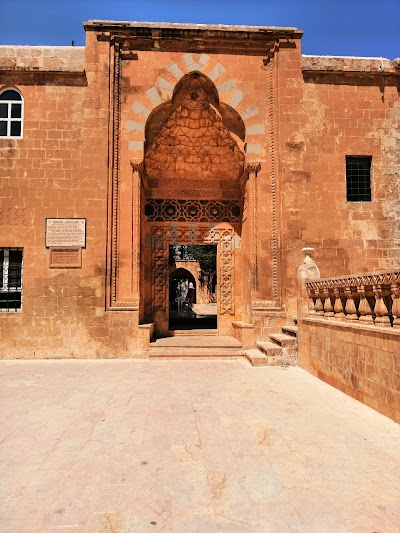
[
  {"x": 381, "y": 311},
  {"x": 307, "y": 271},
  {"x": 137, "y": 170},
  {"x": 253, "y": 169}
]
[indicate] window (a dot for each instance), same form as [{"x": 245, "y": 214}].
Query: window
[
  {"x": 358, "y": 178},
  {"x": 10, "y": 279},
  {"x": 11, "y": 114}
]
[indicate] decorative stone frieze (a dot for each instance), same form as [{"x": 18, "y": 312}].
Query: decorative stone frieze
[{"x": 192, "y": 211}]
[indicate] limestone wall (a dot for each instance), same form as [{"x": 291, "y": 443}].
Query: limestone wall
[
  {"x": 43, "y": 58},
  {"x": 345, "y": 106},
  {"x": 59, "y": 169},
  {"x": 362, "y": 361}
]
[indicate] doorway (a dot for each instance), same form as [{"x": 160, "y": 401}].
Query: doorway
[{"x": 192, "y": 287}]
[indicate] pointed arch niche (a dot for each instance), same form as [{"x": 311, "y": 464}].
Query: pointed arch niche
[{"x": 194, "y": 145}]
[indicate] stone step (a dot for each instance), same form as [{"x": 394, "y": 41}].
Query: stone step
[
  {"x": 186, "y": 352},
  {"x": 283, "y": 340},
  {"x": 259, "y": 358},
  {"x": 269, "y": 348},
  {"x": 289, "y": 330},
  {"x": 196, "y": 346},
  {"x": 197, "y": 341},
  {"x": 256, "y": 357}
]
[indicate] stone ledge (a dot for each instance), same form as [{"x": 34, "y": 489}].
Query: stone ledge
[
  {"x": 342, "y": 64},
  {"x": 55, "y": 59},
  {"x": 355, "y": 326},
  {"x": 241, "y": 324}
]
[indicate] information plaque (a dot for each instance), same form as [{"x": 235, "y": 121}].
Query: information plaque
[
  {"x": 65, "y": 257},
  {"x": 65, "y": 232}
]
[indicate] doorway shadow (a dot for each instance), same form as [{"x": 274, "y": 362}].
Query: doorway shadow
[{"x": 188, "y": 318}]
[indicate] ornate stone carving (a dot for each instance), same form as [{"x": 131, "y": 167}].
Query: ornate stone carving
[
  {"x": 272, "y": 135},
  {"x": 252, "y": 170},
  {"x": 163, "y": 236},
  {"x": 113, "y": 299},
  {"x": 194, "y": 142},
  {"x": 192, "y": 211},
  {"x": 116, "y": 119},
  {"x": 137, "y": 171},
  {"x": 264, "y": 304}
]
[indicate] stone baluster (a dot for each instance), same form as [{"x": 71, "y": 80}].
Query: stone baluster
[
  {"x": 311, "y": 310},
  {"x": 395, "y": 292},
  {"x": 381, "y": 311},
  {"x": 328, "y": 307},
  {"x": 338, "y": 306},
  {"x": 364, "y": 307},
  {"x": 351, "y": 310},
  {"x": 319, "y": 306}
]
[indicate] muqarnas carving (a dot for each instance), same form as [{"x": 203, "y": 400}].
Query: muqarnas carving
[
  {"x": 192, "y": 211},
  {"x": 193, "y": 136}
]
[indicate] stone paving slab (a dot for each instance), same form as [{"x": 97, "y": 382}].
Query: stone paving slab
[{"x": 190, "y": 446}]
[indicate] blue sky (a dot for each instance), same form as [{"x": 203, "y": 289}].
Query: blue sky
[{"x": 336, "y": 27}]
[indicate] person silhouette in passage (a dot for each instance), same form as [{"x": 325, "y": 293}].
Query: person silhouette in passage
[{"x": 191, "y": 294}]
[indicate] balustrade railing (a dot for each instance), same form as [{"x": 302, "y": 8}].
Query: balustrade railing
[{"x": 366, "y": 298}]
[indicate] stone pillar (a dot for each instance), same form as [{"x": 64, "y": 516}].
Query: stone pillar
[
  {"x": 307, "y": 271},
  {"x": 136, "y": 222},
  {"x": 253, "y": 169}
]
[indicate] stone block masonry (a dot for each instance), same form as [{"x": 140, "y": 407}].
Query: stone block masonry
[
  {"x": 287, "y": 123},
  {"x": 362, "y": 361}
]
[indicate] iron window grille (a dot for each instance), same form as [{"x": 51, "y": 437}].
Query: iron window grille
[
  {"x": 10, "y": 279},
  {"x": 11, "y": 114},
  {"x": 358, "y": 178}
]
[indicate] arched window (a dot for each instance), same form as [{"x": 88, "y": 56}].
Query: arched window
[{"x": 11, "y": 113}]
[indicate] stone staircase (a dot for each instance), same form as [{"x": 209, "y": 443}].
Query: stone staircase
[
  {"x": 207, "y": 346},
  {"x": 280, "y": 350}
]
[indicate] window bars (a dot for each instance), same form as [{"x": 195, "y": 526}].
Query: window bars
[{"x": 10, "y": 279}]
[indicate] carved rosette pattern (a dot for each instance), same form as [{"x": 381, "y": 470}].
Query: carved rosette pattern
[
  {"x": 13, "y": 216},
  {"x": 368, "y": 298},
  {"x": 192, "y": 211},
  {"x": 162, "y": 237},
  {"x": 260, "y": 305}
]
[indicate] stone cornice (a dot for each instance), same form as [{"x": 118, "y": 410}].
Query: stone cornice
[{"x": 244, "y": 40}]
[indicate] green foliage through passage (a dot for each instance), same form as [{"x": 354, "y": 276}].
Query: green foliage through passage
[{"x": 206, "y": 255}]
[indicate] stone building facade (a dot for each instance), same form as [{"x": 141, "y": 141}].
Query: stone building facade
[{"x": 162, "y": 134}]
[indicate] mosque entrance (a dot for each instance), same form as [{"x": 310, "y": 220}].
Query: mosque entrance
[
  {"x": 193, "y": 180},
  {"x": 192, "y": 287}
]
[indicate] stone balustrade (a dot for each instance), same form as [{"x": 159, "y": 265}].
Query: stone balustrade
[{"x": 367, "y": 298}]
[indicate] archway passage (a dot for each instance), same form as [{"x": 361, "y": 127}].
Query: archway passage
[{"x": 192, "y": 305}]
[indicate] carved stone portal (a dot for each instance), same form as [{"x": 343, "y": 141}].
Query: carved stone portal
[{"x": 163, "y": 236}]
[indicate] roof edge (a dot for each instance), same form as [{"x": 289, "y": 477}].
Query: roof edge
[{"x": 124, "y": 25}]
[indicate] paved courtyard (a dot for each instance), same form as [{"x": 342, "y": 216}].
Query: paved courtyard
[{"x": 190, "y": 445}]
